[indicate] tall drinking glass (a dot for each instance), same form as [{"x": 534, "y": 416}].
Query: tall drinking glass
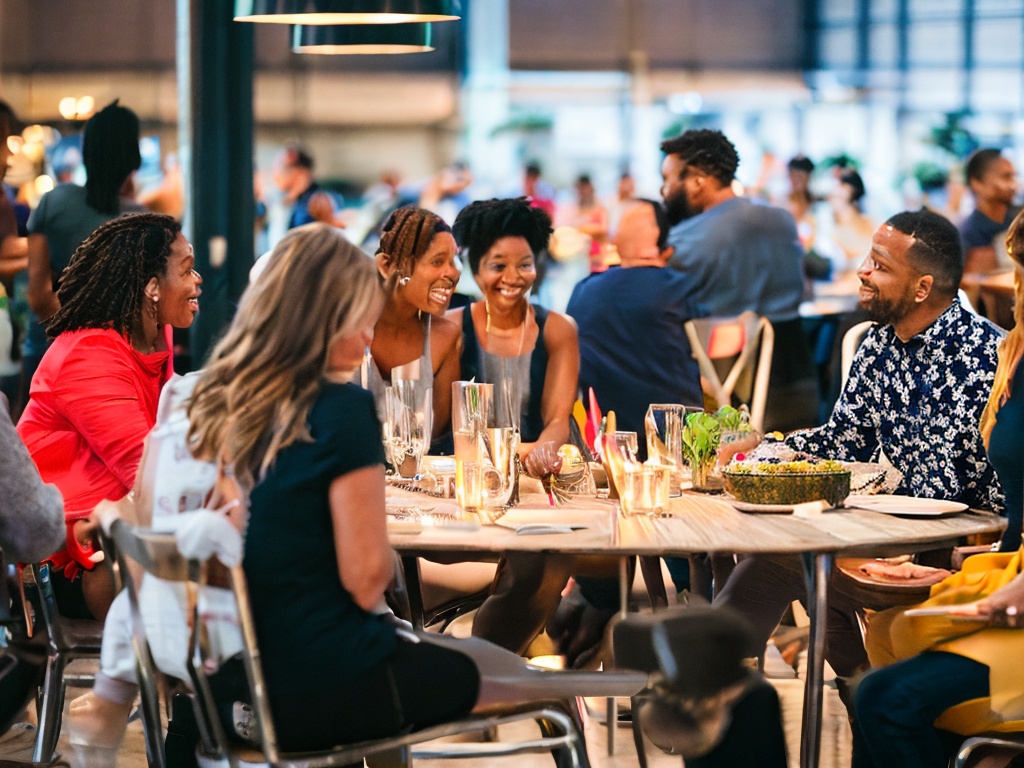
[
  {"x": 664, "y": 427},
  {"x": 408, "y": 422},
  {"x": 471, "y": 413}
]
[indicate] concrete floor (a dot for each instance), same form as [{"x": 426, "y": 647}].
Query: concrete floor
[{"x": 16, "y": 744}]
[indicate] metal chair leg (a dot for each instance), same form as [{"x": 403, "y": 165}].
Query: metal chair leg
[
  {"x": 638, "y": 734},
  {"x": 51, "y": 710}
]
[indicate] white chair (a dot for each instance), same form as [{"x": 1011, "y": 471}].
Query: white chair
[
  {"x": 747, "y": 341},
  {"x": 851, "y": 341}
]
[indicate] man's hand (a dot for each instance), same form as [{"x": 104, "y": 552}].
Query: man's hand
[{"x": 321, "y": 208}]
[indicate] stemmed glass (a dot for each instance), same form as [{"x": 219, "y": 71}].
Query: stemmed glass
[{"x": 407, "y": 426}]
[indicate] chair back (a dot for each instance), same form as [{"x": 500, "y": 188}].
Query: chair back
[
  {"x": 157, "y": 553},
  {"x": 741, "y": 347},
  {"x": 851, "y": 341}
]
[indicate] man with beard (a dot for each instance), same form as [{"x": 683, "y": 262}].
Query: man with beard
[
  {"x": 741, "y": 255},
  {"x": 916, "y": 391}
]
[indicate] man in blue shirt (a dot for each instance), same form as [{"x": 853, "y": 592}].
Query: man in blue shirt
[
  {"x": 916, "y": 391},
  {"x": 993, "y": 182},
  {"x": 633, "y": 347},
  {"x": 293, "y": 174},
  {"x": 741, "y": 256}
]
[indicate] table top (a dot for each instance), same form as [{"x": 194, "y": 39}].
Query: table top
[{"x": 692, "y": 523}]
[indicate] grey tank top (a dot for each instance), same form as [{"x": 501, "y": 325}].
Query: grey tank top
[{"x": 421, "y": 370}]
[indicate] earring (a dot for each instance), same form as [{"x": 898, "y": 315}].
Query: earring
[
  {"x": 405, "y": 280},
  {"x": 487, "y": 309}
]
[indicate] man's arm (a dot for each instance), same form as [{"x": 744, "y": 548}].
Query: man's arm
[
  {"x": 13, "y": 255},
  {"x": 851, "y": 432},
  {"x": 32, "y": 515}
]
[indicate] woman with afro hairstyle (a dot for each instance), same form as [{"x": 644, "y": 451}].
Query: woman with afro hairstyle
[{"x": 532, "y": 357}]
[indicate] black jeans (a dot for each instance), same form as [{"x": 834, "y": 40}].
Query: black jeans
[{"x": 897, "y": 706}]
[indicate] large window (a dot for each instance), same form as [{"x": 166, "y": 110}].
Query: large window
[{"x": 947, "y": 54}]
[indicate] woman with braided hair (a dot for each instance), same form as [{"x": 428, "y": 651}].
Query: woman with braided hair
[
  {"x": 69, "y": 213},
  {"x": 94, "y": 396},
  {"x": 418, "y": 263}
]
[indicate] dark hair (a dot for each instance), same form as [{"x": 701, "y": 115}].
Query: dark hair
[
  {"x": 532, "y": 168},
  {"x": 8, "y": 121},
  {"x": 480, "y": 224},
  {"x": 661, "y": 217},
  {"x": 801, "y": 163},
  {"x": 407, "y": 235},
  {"x": 979, "y": 162},
  {"x": 708, "y": 151},
  {"x": 936, "y": 250},
  {"x": 852, "y": 179},
  {"x": 297, "y": 157},
  {"x": 103, "y": 285},
  {"x": 110, "y": 152},
  {"x": 584, "y": 178}
]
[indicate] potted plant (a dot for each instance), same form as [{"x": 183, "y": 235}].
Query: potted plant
[{"x": 701, "y": 436}]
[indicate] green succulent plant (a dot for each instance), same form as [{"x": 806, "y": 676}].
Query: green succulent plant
[
  {"x": 732, "y": 419},
  {"x": 700, "y": 437}
]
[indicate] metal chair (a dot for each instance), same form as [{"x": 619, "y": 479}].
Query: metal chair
[
  {"x": 744, "y": 345},
  {"x": 158, "y": 554},
  {"x": 1008, "y": 745},
  {"x": 68, "y": 640}
]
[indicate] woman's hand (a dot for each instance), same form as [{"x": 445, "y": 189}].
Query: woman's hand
[
  {"x": 1003, "y": 608},
  {"x": 543, "y": 460},
  {"x": 83, "y": 544}
]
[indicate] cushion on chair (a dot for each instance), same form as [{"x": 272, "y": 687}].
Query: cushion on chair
[{"x": 708, "y": 647}]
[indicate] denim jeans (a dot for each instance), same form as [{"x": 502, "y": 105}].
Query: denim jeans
[{"x": 897, "y": 706}]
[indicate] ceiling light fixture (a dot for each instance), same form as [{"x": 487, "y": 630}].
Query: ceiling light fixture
[
  {"x": 318, "y": 12},
  {"x": 362, "y": 39}
]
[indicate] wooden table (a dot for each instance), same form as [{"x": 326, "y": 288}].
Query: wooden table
[{"x": 696, "y": 523}]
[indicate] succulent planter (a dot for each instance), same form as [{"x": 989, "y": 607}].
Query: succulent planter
[{"x": 783, "y": 489}]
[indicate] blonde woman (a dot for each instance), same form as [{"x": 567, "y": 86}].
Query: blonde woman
[
  {"x": 278, "y": 403},
  {"x": 907, "y": 710}
]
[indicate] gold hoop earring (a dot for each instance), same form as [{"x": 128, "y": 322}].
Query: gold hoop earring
[{"x": 487, "y": 309}]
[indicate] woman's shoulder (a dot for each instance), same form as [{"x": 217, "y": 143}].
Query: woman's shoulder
[
  {"x": 87, "y": 341},
  {"x": 445, "y": 330},
  {"x": 558, "y": 326},
  {"x": 347, "y": 393}
]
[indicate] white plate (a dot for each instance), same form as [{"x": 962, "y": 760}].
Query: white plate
[
  {"x": 906, "y": 506},
  {"x": 764, "y": 509}
]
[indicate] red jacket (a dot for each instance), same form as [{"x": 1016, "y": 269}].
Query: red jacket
[{"x": 92, "y": 402}]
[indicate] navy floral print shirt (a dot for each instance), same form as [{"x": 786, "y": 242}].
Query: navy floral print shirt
[{"x": 919, "y": 402}]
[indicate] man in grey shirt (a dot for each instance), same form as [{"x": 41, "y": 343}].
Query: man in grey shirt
[
  {"x": 740, "y": 255},
  {"x": 31, "y": 527},
  {"x": 31, "y": 513}
]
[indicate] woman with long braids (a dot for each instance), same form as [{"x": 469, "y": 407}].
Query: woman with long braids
[
  {"x": 418, "y": 263},
  {"x": 69, "y": 213},
  {"x": 93, "y": 399}
]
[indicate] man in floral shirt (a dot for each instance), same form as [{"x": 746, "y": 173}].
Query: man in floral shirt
[{"x": 916, "y": 391}]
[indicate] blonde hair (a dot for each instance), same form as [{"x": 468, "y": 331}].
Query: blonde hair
[
  {"x": 263, "y": 377},
  {"x": 1012, "y": 346}
]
